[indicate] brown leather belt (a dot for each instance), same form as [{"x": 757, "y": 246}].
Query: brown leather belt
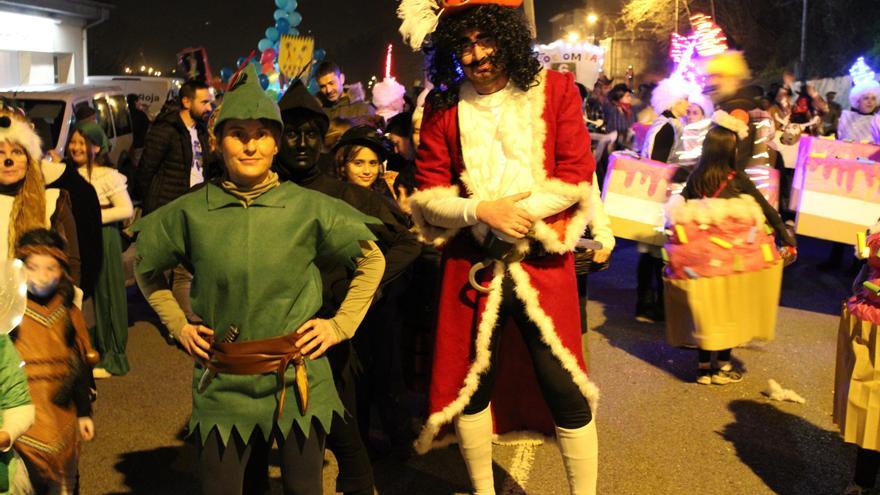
[{"x": 257, "y": 357}]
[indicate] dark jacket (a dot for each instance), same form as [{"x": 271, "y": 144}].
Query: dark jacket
[
  {"x": 87, "y": 216},
  {"x": 742, "y": 184},
  {"x": 163, "y": 173},
  {"x": 747, "y": 99},
  {"x": 397, "y": 243},
  {"x": 347, "y": 109}
]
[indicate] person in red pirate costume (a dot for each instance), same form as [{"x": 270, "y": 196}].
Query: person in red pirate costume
[{"x": 504, "y": 171}]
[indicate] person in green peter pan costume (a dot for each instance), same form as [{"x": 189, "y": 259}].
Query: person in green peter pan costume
[
  {"x": 251, "y": 243},
  {"x": 16, "y": 416}
]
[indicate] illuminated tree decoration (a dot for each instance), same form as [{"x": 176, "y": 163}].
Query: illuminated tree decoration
[{"x": 861, "y": 73}]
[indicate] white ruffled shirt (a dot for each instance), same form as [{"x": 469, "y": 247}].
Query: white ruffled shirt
[
  {"x": 112, "y": 189},
  {"x": 496, "y": 139}
]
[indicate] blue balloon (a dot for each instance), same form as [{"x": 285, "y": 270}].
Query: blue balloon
[
  {"x": 264, "y": 44},
  {"x": 264, "y": 81},
  {"x": 291, "y": 5},
  {"x": 319, "y": 54},
  {"x": 226, "y": 73},
  {"x": 277, "y": 47},
  {"x": 272, "y": 34},
  {"x": 240, "y": 61},
  {"x": 281, "y": 14},
  {"x": 255, "y": 61},
  {"x": 282, "y": 25},
  {"x": 295, "y": 18},
  {"x": 281, "y": 4},
  {"x": 293, "y": 32}
]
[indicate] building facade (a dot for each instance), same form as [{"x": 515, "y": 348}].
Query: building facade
[{"x": 45, "y": 41}]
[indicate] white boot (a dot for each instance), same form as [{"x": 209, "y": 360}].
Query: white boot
[
  {"x": 475, "y": 443},
  {"x": 580, "y": 454}
]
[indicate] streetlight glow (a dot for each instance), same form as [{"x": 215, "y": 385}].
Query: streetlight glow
[
  {"x": 592, "y": 18},
  {"x": 572, "y": 37}
]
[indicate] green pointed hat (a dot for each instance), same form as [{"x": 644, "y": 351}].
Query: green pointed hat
[{"x": 246, "y": 100}]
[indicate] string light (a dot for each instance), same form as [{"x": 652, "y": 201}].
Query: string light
[{"x": 710, "y": 38}]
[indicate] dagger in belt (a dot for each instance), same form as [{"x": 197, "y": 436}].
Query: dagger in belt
[{"x": 209, "y": 373}]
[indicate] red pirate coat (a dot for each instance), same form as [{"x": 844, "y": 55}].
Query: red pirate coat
[{"x": 557, "y": 146}]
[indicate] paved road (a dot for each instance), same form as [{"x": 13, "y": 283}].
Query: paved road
[{"x": 659, "y": 432}]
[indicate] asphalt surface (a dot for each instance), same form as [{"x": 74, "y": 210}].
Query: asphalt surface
[{"x": 659, "y": 432}]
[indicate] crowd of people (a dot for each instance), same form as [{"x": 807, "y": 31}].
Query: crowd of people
[{"x": 323, "y": 258}]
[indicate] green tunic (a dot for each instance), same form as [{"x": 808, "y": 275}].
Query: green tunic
[
  {"x": 13, "y": 393},
  {"x": 254, "y": 267}
]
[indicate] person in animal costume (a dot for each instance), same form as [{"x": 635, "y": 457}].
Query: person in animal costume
[{"x": 504, "y": 175}]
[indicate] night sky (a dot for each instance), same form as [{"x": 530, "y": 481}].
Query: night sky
[{"x": 353, "y": 32}]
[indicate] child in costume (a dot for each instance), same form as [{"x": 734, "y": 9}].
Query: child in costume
[
  {"x": 724, "y": 273},
  {"x": 54, "y": 344},
  {"x": 855, "y": 390},
  {"x": 16, "y": 416}
]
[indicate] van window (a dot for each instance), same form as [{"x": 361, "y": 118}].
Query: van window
[
  {"x": 121, "y": 117},
  {"x": 48, "y": 118},
  {"x": 104, "y": 117}
]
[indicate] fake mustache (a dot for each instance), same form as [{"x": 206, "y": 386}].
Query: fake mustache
[{"x": 493, "y": 59}]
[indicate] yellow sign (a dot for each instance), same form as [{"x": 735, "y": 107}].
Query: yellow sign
[{"x": 296, "y": 55}]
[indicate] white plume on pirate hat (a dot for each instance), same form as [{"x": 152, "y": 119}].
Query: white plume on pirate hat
[{"x": 420, "y": 18}]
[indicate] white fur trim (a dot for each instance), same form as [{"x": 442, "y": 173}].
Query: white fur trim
[
  {"x": 526, "y": 117},
  {"x": 731, "y": 123},
  {"x": 481, "y": 363},
  {"x": 874, "y": 228},
  {"x": 428, "y": 233},
  {"x": 713, "y": 211},
  {"x": 529, "y": 296},
  {"x": 22, "y": 132},
  {"x": 670, "y": 91},
  {"x": 576, "y": 224},
  {"x": 861, "y": 89},
  {"x": 420, "y": 19}
]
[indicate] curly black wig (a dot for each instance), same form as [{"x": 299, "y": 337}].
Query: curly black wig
[{"x": 514, "y": 53}]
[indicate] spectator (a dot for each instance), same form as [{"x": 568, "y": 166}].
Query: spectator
[
  {"x": 829, "y": 125},
  {"x": 173, "y": 163},
  {"x": 139, "y": 125},
  {"x": 172, "y": 159},
  {"x": 336, "y": 102},
  {"x": 618, "y": 113}
]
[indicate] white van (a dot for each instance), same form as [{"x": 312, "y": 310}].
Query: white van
[
  {"x": 52, "y": 109},
  {"x": 152, "y": 92}
]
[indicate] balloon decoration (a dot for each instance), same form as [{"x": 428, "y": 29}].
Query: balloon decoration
[
  {"x": 265, "y": 57},
  {"x": 13, "y": 294}
]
